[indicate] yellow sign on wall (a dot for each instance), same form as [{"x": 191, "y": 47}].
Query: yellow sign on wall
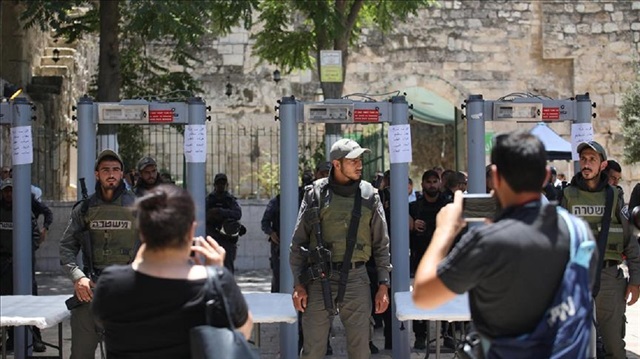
[{"x": 331, "y": 66}]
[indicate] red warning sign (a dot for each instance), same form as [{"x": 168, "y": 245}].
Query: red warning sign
[
  {"x": 366, "y": 115},
  {"x": 160, "y": 116},
  {"x": 551, "y": 113}
]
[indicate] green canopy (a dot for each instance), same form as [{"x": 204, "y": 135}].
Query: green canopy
[{"x": 429, "y": 107}]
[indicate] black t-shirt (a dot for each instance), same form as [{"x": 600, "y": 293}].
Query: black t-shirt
[
  {"x": 426, "y": 211},
  {"x": 150, "y": 317},
  {"x": 511, "y": 268}
]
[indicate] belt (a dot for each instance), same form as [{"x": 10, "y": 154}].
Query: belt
[
  {"x": 353, "y": 265},
  {"x": 610, "y": 263}
]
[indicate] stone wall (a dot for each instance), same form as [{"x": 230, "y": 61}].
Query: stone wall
[
  {"x": 494, "y": 48},
  {"x": 557, "y": 49}
]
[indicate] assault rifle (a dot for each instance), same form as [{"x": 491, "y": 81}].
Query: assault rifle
[{"x": 319, "y": 260}]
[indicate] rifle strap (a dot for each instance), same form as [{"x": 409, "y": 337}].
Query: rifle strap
[
  {"x": 603, "y": 235},
  {"x": 317, "y": 203},
  {"x": 352, "y": 235}
]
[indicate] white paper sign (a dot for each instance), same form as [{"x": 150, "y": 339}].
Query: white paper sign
[
  {"x": 195, "y": 143},
  {"x": 21, "y": 145},
  {"x": 580, "y": 132},
  {"x": 400, "y": 143}
]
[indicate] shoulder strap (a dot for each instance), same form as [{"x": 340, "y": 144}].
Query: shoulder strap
[
  {"x": 581, "y": 249},
  {"x": 606, "y": 222},
  {"x": 212, "y": 285},
  {"x": 352, "y": 235}
]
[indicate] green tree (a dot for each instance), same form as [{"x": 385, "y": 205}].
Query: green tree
[
  {"x": 126, "y": 29},
  {"x": 296, "y": 31},
  {"x": 630, "y": 114}
]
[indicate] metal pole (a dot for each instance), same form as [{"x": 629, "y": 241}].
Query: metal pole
[
  {"x": 86, "y": 145},
  {"x": 22, "y": 153},
  {"x": 583, "y": 115},
  {"x": 288, "y": 213},
  {"x": 475, "y": 144},
  {"x": 196, "y": 170},
  {"x": 399, "y": 234}
]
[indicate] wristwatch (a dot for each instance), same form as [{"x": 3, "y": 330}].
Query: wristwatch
[{"x": 383, "y": 282}]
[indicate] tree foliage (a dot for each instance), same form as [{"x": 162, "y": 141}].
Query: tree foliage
[
  {"x": 296, "y": 31},
  {"x": 630, "y": 114},
  {"x": 151, "y": 37}
]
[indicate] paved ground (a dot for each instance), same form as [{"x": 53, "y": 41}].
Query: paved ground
[{"x": 259, "y": 281}]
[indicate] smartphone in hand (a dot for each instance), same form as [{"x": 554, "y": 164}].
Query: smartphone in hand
[{"x": 477, "y": 207}]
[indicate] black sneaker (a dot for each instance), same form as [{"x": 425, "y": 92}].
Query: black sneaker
[
  {"x": 9, "y": 345},
  {"x": 448, "y": 342},
  {"x": 373, "y": 349},
  {"x": 39, "y": 347},
  {"x": 329, "y": 350},
  {"x": 420, "y": 344}
]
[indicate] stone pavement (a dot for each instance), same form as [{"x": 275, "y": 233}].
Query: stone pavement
[{"x": 259, "y": 281}]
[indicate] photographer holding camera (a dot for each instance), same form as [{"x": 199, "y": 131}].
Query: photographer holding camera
[
  {"x": 340, "y": 226},
  {"x": 513, "y": 267}
]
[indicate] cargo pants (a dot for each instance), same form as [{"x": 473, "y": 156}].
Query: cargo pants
[{"x": 355, "y": 313}]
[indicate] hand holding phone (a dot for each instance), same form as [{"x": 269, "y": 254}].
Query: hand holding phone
[{"x": 478, "y": 207}]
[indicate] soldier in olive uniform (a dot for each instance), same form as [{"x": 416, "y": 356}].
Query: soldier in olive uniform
[
  {"x": 586, "y": 197},
  {"x": 331, "y": 201},
  {"x": 104, "y": 229},
  {"x": 149, "y": 176}
]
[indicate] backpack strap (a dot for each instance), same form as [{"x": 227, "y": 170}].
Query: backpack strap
[{"x": 581, "y": 247}]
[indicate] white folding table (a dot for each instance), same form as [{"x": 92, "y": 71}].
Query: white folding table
[
  {"x": 270, "y": 308},
  {"x": 456, "y": 310},
  {"x": 43, "y": 311}
]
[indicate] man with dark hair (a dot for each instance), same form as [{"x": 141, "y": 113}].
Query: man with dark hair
[
  {"x": 453, "y": 181},
  {"x": 223, "y": 219},
  {"x": 422, "y": 224},
  {"x": 550, "y": 190},
  {"x": 591, "y": 197},
  {"x": 614, "y": 173},
  {"x": 148, "y": 176},
  {"x": 103, "y": 227},
  {"x": 343, "y": 214},
  {"x": 510, "y": 268}
]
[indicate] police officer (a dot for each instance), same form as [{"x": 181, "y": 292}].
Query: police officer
[
  {"x": 148, "y": 176},
  {"x": 325, "y": 223},
  {"x": 104, "y": 228},
  {"x": 223, "y": 216},
  {"x": 587, "y": 197}
]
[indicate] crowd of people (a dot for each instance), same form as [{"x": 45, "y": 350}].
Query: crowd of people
[{"x": 135, "y": 235}]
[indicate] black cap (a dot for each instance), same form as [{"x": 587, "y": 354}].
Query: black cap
[
  {"x": 430, "y": 173},
  {"x": 220, "y": 177}
]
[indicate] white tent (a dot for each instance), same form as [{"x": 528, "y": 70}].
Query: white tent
[{"x": 557, "y": 147}]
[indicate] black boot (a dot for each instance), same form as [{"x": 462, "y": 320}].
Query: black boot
[{"x": 372, "y": 348}]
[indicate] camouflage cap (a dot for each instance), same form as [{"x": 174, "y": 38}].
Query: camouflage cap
[{"x": 108, "y": 154}]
